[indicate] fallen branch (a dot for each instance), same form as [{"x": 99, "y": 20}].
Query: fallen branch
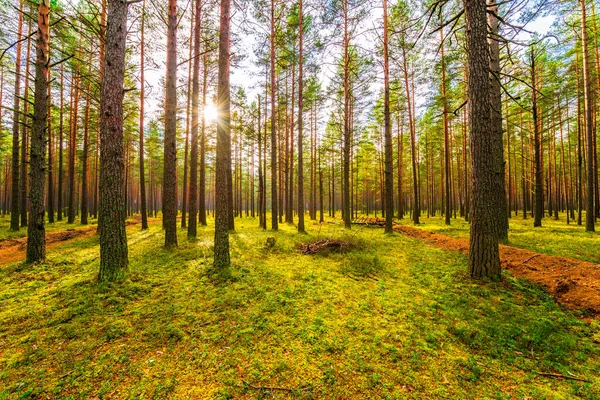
[
  {"x": 531, "y": 258},
  {"x": 574, "y": 378},
  {"x": 280, "y": 388}
]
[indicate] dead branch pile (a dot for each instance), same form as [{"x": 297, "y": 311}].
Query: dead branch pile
[{"x": 325, "y": 245}]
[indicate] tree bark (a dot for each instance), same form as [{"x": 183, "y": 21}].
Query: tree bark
[
  {"x": 143, "y": 201},
  {"x": 170, "y": 145},
  {"x": 501, "y": 213},
  {"x": 389, "y": 162},
  {"x": 589, "y": 132},
  {"x": 222, "y": 205},
  {"x": 537, "y": 143},
  {"x": 111, "y": 221},
  {"x": 301, "y": 228},
  {"x": 85, "y": 160},
  {"x": 59, "y": 200},
  {"x": 274, "y": 199},
  {"x": 14, "y": 209},
  {"x": 193, "y": 194},
  {"x": 347, "y": 134},
  {"x": 484, "y": 259},
  {"x": 72, "y": 147},
  {"x": 36, "y": 231},
  {"x": 50, "y": 196},
  {"x": 24, "y": 137},
  {"x": 202, "y": 192}
]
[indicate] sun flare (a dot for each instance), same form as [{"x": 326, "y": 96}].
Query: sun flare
[{"x": 210, "y": 112}]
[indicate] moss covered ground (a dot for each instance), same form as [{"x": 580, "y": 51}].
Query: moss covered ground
[
  {"x": 554, "y": 237},
  {"x": 392, "y": 318}
]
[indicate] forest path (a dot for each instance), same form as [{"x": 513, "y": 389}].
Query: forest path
[
  {"x": 12, "y": 250},
  {"x": 574, "y": 283}
]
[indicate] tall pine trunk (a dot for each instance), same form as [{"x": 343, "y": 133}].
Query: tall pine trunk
[
  {"x": 170, "y": 145},
  {"x": 300, "y": 118},
  {"x": 484, "y": 259},
  {"x": 222, "y": 205},
  {"x": 111, "y": 221},
  {"x": 501, "y": 213},
  {"x": 193, "y": 193},
  {"x": 36, "y": 231},
  {"x": 143, "y": 201},
  {"x": 389, "y": 162},
  {"x": 274, "y": 199},
  {"x": 347, "y": 136},
  {"x": 14, "y": 209},
  {"x": 589, "y": 132}
]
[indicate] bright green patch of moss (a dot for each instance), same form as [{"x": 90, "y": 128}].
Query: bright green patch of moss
[{"x": 396, "y": 319}]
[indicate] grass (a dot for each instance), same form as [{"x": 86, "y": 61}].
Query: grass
[
  {"x": 393, "y": 320},
  {"x": 554, "y": 237},
  {"x": 6, "y": 233}
]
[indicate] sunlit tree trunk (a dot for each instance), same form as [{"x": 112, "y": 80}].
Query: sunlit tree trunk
[
  {"x": 111, "y": 221},
  {"x": 300, "y": 118},
  {"x": 84, "y": 160},
  {"x": 389, "y": 162},
  {"x": 501, "y": 211},
  {"x": 170, "y": 142},
  {"x": 23, "y": 196},
  {"x": 193, "y": 196},
  {"x": 36, "y": 231},
  {"x": 143, "y": 201},
  {"x": 14, "y": 209},
  {"x": 347, "y": 134},
  {"x": 222, "y": 205},
  {"x": 274, "y": 199},
  {"x": 589, "y": 133},
  {"x": 484, "y": 259},
  {"x": 73, "y": 125}
]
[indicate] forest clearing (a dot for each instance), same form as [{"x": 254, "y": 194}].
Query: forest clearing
[{"x": 312, "y": 199}]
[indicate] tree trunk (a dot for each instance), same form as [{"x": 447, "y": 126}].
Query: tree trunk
[
  {"x": 589, "y": 132},
  {"x": 484, "y": 259},
  {"x": 193, "y": 196},
  {"x": 347, "y": 134},
  {"x": 50, "y": 196},
  {"x": 202, "y": 193},
  {"x": 222, "y": 205},
  {"x": 274, "y": 199},
  {"x": 413, "y": 143},
  {"x": 389, "y": 162},
  {"x": 72, "y": 148},
  {"x": 143, "y": 202},
  {"x": 446, "y": 133},
  {"x": 537, "y": 143},
  {"x": 301, "y": 228},
  {"x": 59, "y": 200},
  {"x": 111, "y": 221},
  {"x": 24, "y": 136},
  {"x": 185, "y": 193},
  {"x": 84, "y": 160},
  {"x": 501, "y": 210},
  {"x": 36, "y": 231},
  {"x": 14, "y": 209},
  {"x": 170, "y": 145}
]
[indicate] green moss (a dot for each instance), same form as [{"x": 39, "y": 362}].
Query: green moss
[
  {"x": 395, "y": 318},
  {"x": 554, "y": 237}
]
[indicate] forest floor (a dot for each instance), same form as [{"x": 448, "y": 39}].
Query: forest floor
[
  {"x": 391, "y": 317},
  {"x": 573, "y": 282}
]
